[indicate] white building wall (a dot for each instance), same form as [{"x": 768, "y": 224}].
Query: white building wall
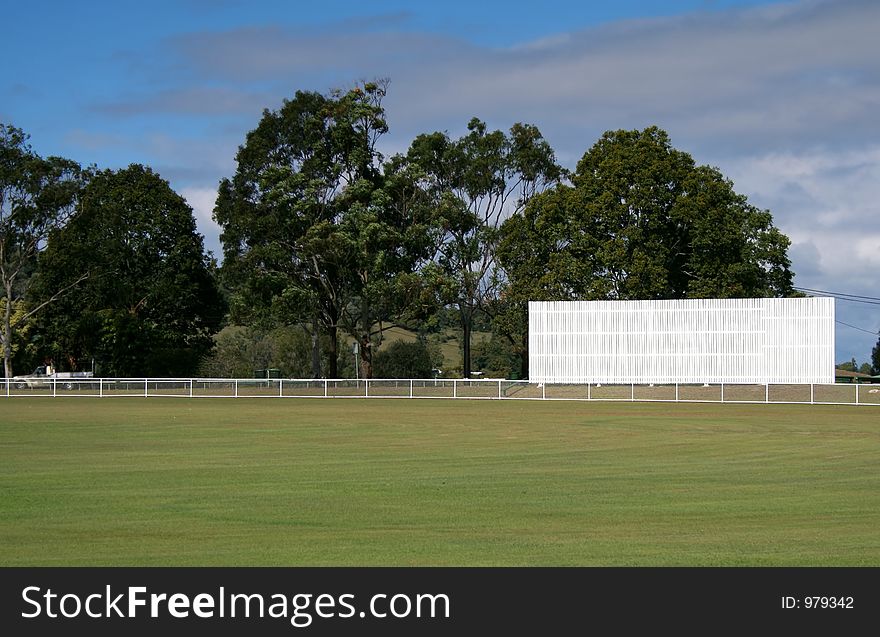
[{"x": 682, "y": 341}]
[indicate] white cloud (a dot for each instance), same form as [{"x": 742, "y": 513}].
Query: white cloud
[
  {"x": 867, "y": 248},
  {"x": 202, "y": 202},
  {"x": 794, "y": 74},
  {"x": 828, "y": 199},
  {"x": 828, "y": 203}
]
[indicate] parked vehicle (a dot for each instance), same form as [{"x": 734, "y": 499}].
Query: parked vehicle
[{"x": 45, "y": 375}]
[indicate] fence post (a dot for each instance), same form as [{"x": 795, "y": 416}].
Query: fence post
[
  {"x": 190, "y": 387},
  {"x": 236, "y": 388},
  {"x": 146, "y": 388},
  {"x": 811, "y": 393},
  {"x": 366, "y": 388},
  {"x": 325, "y": 388},
  {"x": 410, "y": 387},
  {"x": 856, "y": 385},
  {"x": 100, "y": 388},
  {"x": 280, "y": 388},
  {"x": 454, "y": 388},
  {"x": 722, "y": 392},
  {"x": 676, "y": 392},
  {"x": 54, "y": 387},
  {"x": 499, "y": 388},
  {"x": 767, "y": 392}
]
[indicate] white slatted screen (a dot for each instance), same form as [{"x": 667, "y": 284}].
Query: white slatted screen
[{"x": 682, "y": 341}]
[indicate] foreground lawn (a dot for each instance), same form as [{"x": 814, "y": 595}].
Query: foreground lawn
[{"x": 293, "y": 482}]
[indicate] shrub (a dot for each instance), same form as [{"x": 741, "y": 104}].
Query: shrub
[{"x": 402, "y": 360}]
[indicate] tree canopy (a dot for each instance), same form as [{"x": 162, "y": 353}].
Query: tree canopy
[
  {"x": 324, "y": 239},
  {"x": 640, "y": 220},
  {"x": 314, "y": 230},
  {"x": 476, "y": 182},
  {"x": 37, "y": 196},
  {"x": 150, "y": 303}
]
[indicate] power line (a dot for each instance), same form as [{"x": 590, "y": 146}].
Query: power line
[
  {"x": 854, "y": 298},
  {"x": 872, "y": 298},
  {"x": 861, "y": 329}
]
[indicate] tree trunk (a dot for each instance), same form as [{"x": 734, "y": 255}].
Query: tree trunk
[
  {"x": 365, "y": 321},
  {"x": 316, "y": 348},
  {"x": 465, "y": 345},
  {"x": 366, "y": 350},
  {"x": 333, "y": 354},
  {"x": 7, "y": 333},
  {"x": 7, "y": 349},
  {"x": 524, "y": 358}
]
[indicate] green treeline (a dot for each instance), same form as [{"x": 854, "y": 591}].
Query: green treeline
[{"x": 335, "y": 255}]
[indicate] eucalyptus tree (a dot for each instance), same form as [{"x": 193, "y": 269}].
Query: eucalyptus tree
[
  {"x": 37, "y": 196},
  {"x": 477, "y": 181},
  {"x": 316, "y": 229}
]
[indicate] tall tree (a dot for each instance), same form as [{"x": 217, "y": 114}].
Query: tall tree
[
  {"x": 37, "y": 196},
  {"x": 314, "y": 230},
  {"x": 479, "y": 180},
  {"x": 283, "y": 187},
  {"x": 393, "y": 236},
  {"x": 640, "y": 221},
  {"x": 875, "y": 358},
  {"x": 535, "y": 266},
  {"x": 151, "y": 303}
]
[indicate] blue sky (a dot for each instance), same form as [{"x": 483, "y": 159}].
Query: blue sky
[{"x": 781, "y": 96}]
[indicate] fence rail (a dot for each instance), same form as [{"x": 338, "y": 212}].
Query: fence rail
[{"x": 486, "y": 389}]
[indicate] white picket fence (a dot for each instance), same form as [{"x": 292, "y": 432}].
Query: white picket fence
[{"x": 486, "y": 389}]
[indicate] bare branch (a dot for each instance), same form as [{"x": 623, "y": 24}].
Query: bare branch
[{"x": 51, "y": 299}]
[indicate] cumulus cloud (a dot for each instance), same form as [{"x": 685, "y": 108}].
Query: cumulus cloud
[
  {"x": 201, "y": 200},
  {"x": 795, "y": 74},
  {"x": 827, "y": 199},
  {"x": 828, "y": 203},
  {"x": 743, "y": 80}
]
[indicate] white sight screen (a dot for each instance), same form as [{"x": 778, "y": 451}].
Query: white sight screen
[{"x": 682, "y": 341}]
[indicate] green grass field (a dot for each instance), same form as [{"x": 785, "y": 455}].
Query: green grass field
[{"x": 158, "y": 481}]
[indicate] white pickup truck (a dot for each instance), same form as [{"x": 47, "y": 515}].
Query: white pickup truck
[{"x": 40, "y": 378}]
